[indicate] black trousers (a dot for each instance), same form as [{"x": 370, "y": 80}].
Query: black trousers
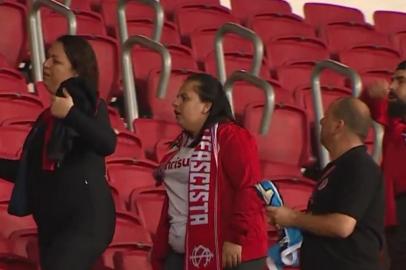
[
  {"x": 176, "y": 261},
  {"x": 396, "y": 237}
]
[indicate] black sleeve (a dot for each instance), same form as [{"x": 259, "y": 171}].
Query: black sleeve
[
  {"x": 8, "y": 169},
  {"x": 95, "y": 131},
  {"x": 358, "y": 187}
]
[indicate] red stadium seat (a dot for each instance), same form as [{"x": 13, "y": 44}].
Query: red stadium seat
[
  {"x": 128, "y": 145},
  {"x": 298, "y": 74},
  {"x": 284, "y": 150},
  {"x": 235, "y": 61},
  {"x": 5, "y": 191},
  {"x": 136, "y": 258},
  {"x": 83, "y": 5},
  {"x": 55, "y": 25},
  {"x": 336, "y": 36},
  {"x": 202, "y": 42},
  {"x": 191, "y": 17},
  {"x": 145, "y": 27},
  {"x": 170, "y": 6},
  {"x": 162, "y": 109},
  {"x": 272, "y": 25},
  {"x": 12, "y": 81},
  {"x": 134, "y": 10},
  {"x": 106, "y": 50},
  {"x": 366, "y": 57},
  {"x": 115, "y": 119},
  {"x": 282, "y": 50},
  {"x": 371, "y": 76},
  {"x": 127, "y": 174},
  {"x": 399, "y": 40},
  {"x": 243, "y": 9},
  {"x": 19, "y": 105},
  {"x": 150, "y": 131},
  {"x": 13, "y": 24},
  {"x": 11, "y": 224},
  {"x": 19, "y": 240},
  {"x": 389, "y": 22},
  {"x": 245, "y": 94},
  {"x": 11, "y": 141},
  {"x": 319, "y": 14},
  {"x": 147, "y": 203}
]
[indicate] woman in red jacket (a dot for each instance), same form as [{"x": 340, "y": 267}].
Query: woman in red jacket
[{"x": 212, "y": 218}]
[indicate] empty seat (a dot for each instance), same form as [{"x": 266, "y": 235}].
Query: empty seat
[
  {"x": 115, "y": 119},
  {"x": 235, "y": 61},
  {"x": 19, "y": 240},
  {"x": 127, "y": 174},
  {"x": 12, "y": 81},
  {"x": 345, "y": 35},
  {"x": 25, "y": 122},
  {"x": 106, "y": 50},
  {"x": 12, "y": 139},
  {"x": 194, "y": 16},
  {"x": 170, "y": 6},
  {"x": 366, "y": 57},
  {"x": 145, "y": 27},
  {"x": 55, "y": 25},
  {"x": 272, "y": 25},
  {"x": 319, "y": 14},
  {"x": 246, "y": 93},
  {"x": 129, "y": 234},
  {"x": 389, "y": 21},
  {"x": 134, "y": 11},
  {"x": 11, "y": 224},
  {"x": 284, "y": 150},
  {"x": 243, "y": 9},
  {"x": 147, "y": 203},
  {"x": 84, "y": 5},
  {"x": 150, "y": 131},
  {"x": 162, "y": 109},
  {"x": 298, "y": 74},
  {"x": 13, "y": 24},
  {"x": 202, "y": 42},
  {"x": 19, "y": 105},
  {"x": 136, "y": 258},
  {"x": 5, "y": 191},
  {"x": 371, "y": 76},
  {"x": 128, "y": 145},
  {"x": 282, "y": 50},
  {"x": 399, "y": 40}
]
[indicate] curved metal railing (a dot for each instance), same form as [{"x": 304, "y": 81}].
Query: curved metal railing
[
  {"x": 260, "y": 83},
  {"x": 244, "y": 33}
]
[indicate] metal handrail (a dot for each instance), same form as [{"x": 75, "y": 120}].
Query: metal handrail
[
  {"x": 244, "y": 33},
  {"x": 35, "y": 31},
  {"x": 356, "y": 86},
  {"x": 260, "y": 83},
  {"x": 128, "y": 75},
  {"x": 158, "y": 20}
]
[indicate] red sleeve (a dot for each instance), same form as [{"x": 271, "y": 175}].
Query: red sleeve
[
  {"x": 377, "y": 106},
  {"x": 240, "y": 164}
]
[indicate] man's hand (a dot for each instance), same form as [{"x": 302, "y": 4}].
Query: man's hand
[
  {"x": 231, "y": 255},
  {"x": 378, "y": 89},
  {"x": 281, "y": 216},
  {"x": 60, "y": 106}
]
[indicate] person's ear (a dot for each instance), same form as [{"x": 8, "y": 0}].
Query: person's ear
[
  {"x": 207, "y": 107},
  {"x": 339, "y": 125}
]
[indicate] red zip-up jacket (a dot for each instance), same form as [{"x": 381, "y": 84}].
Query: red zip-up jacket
[
  {"x": 242, "y": 211},
  {"x": 393, "y": 154}
]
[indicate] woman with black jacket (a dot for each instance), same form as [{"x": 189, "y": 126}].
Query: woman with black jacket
[{"x": 60, "y": 176}]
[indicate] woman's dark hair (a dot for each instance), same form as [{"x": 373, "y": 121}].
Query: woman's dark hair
[
  {"x": 82, "y": 59},
  {"x": 211, "y": 90}
]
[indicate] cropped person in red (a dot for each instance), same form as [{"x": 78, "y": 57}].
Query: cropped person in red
[
  {"x": 387, "y": 103},
  {"x": 212, "y": 219}
]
